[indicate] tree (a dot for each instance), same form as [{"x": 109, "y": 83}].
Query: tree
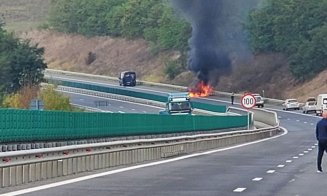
[
  {"x": 295, "y": 28},
  {"x": 21, "y": 63},
  {"x": 54, "y": 100}
]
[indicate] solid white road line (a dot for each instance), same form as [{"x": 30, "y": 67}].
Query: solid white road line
[{"x": 29, "y": 190}]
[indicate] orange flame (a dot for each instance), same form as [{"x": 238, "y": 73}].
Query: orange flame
[{"x": 201, "y": 90}]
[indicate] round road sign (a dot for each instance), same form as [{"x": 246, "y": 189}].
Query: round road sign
[{"x": 248, "y": 101}]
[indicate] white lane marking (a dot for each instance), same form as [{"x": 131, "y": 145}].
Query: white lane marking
[
  {"x": 301, "y": 154},
  {"x": 79, "y": 179},
  {"x": 305, "y": 122},
  {"x": 289, "y": 161},
  {"x": 316, "y": 144},
  {"x": 270, "y": 171},
  {"x": 295, "y": 157},
  {"x": 121, "y": 112},
  {"x": 280, "y": 166},
  {"x": 257, "y": 179},
  {"x": 133, "y": 109},
  {"x": 311, "y": 124},
  {"x": 145, "y": 112},
  {"x": 305, "y": 151},
  {"x": 309, "y": 149},
  {"x": 288, "y": 119},
  {"x": 239, "y": 190},
  {"x": 313, "y": 146},
  {"x": 297, "y": 120}
]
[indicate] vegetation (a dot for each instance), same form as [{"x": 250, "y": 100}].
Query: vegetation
[
  {"x": 149, "y": 19},
  {"x": 296, "y": 28},
  {"x": 52, "y": 100},
  {"x": 21, "y": 64}
]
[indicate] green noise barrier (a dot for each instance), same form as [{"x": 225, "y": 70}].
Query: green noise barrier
[{"x": 33, "y": 125}]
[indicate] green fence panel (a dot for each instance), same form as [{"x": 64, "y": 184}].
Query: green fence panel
[{"x": 28, "y": 125}]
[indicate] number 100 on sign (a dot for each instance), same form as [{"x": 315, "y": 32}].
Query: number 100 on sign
[{"x": 248, "y": 101}]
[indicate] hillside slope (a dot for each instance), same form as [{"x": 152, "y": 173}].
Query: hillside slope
[
  {"x": 107, "y": 56},
  {"x": 100, "y": 55},
  {"x": 71, "y": 52}
]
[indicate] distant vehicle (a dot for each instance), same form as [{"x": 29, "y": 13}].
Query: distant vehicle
[
  {"x": 177, "y": 103},
  {"x": 321, "y": 104},
  {"x": 291, "y": 104},
  {"x": 127, "y": 78},
  {"x": 309, "y": 106},
  {"x": 259, "y": 101}
]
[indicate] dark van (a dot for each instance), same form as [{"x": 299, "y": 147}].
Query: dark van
[{"x": 127, "y": 78}]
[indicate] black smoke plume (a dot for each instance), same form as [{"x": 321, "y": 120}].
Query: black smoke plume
[{"x": 217, "y": 35}]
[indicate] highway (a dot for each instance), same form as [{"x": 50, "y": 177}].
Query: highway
[
  {"x": 285, "y": 165},
  {"x": 110, "y": 105}
]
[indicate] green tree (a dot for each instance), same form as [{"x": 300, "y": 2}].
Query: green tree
[
  {"x": 21, "y": 63},
  {"x": 54, "y": 100},
  {"x": 292, "y": 27}
]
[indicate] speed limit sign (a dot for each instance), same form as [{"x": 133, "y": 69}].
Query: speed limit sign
[{"x": 248, "y": 101}]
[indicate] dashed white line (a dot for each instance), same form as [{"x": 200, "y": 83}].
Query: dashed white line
[
  {"x": 133, "y": 109},
  {"x": 270, "y": 171},
  {"x": 316, "y": 144},
  {"x": 301, "y": 154},
  {"x": 280, "y": 166},
  {"x": 309, "y": 149},
  {"x": 311, "y": 124},
  {"x": 121, "y": 112},
  {"x": 295, "y": 157},
  {"x": 239, "y": 190},
  {"x": 305, "y": 151},
  {"x": 257, "y": 179},
  {"x": 297, "y": 120},
  {"x": 289, "y": 161},
  {"x": 305, "y": 122}
]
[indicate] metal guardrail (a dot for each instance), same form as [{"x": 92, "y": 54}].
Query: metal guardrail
[{"x": 23, "y": 167}]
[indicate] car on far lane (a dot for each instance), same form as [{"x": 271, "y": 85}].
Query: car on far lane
[
  {"x": 309, "y": 106},
  {"x": 259, "y": 101},
  {"x": 290, "y": 104}
]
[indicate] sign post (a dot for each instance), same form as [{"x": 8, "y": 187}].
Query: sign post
[{"x": 248, "y": 101}]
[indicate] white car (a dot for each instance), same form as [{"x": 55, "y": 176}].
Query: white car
[
  {"x": 259, "y": 102},
  {"x": 309, "y": 106},
  {"x": 291, "y": 104}
]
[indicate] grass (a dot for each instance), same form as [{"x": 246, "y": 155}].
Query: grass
[{"x": 23, "y": 15}]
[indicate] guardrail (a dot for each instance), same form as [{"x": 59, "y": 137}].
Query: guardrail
[{"x": 23, "y": 167}]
